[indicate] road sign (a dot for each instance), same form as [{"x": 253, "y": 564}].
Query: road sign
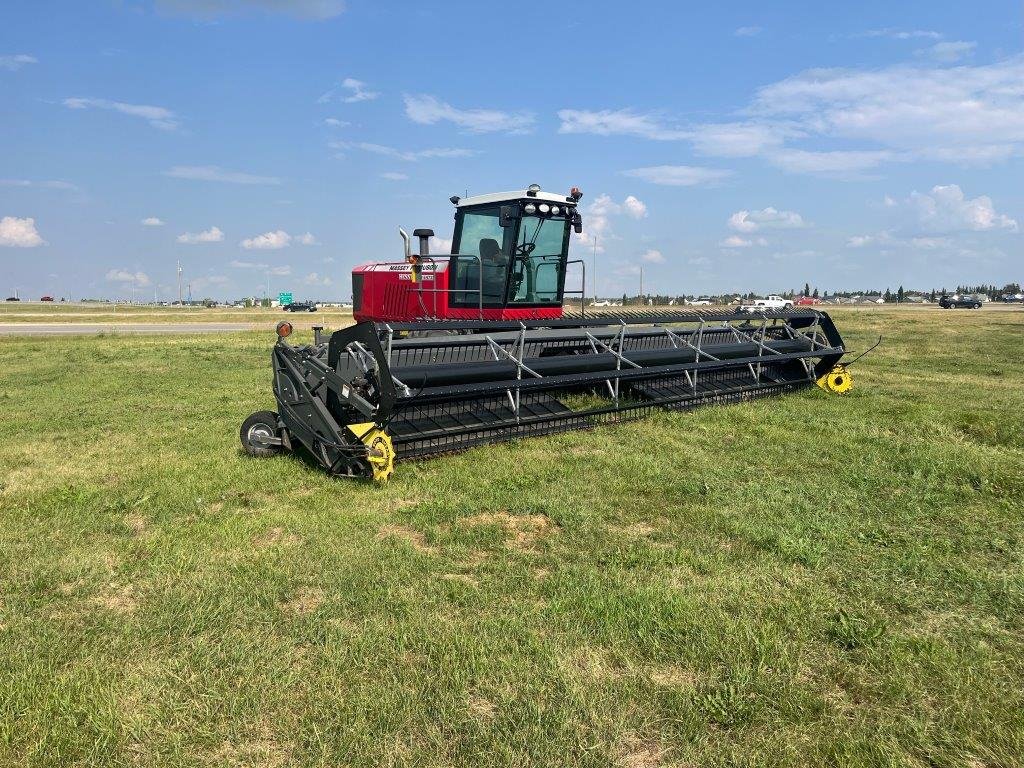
[{"x": 284, "y": 298}]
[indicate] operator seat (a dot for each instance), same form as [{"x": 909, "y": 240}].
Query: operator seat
[{"x": 494, "y": 264}]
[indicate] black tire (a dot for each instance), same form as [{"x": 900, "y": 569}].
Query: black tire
[
  {"x": 259, "y": 423},
  {"x": 976, "y": 306}
]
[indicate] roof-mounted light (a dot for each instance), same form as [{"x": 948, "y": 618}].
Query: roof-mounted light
[
  {"x": 555, "y": 210},
  {"x": 544, "y": 207},
  {"x": 532, "y": 190},
  {"x": 530, "y": 208}
]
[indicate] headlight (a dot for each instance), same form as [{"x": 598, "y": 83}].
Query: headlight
[
  {"x": 530, "y": 208},
  {"x": 555, "y": 210},
  {"x": 544, "y": 207}
]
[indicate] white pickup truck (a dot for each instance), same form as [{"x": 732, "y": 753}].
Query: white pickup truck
[{"x": 770, "y": 304}]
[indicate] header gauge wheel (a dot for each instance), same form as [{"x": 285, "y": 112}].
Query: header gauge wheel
[{"x": 259, "y": 435}]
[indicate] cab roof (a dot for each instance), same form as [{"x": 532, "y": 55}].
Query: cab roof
[{"x": 519, "y": 194}]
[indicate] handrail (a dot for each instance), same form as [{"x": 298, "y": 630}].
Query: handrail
[
  {"x": 480, "y": 277},
  {"x": 480, "y": 280}
]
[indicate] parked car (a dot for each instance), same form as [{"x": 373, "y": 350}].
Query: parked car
[
  {"x": 300, "y": 306},
  {"x": 701, "y": 301},
  {"x": 1013, "y": 298},
  {"x": 47, "y": 298},
  {"x": 807, "y": 301},
  {"x": 13, "y": 298},
  {"x": 960, "y": 301}
]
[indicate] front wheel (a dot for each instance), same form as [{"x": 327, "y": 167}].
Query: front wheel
[
  {"x": 976, "y": 306},
  {"x": 257, "y": 433}
]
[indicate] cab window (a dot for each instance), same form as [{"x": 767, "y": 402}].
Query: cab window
[{"x": 538, "y": 271}]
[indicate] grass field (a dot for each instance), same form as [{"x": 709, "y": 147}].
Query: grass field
[{"x": 807, "y": 580}]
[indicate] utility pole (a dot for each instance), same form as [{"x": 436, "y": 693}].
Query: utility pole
[
  {"x": 595, "y": 269},
  {"x": 642, "y": 284},
  {"x": 179, "y": 283}
]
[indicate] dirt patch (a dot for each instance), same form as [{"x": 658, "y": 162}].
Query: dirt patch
[
  {"x": 634, "y": 752},
  {"x": 595, "y": 663},
  {"x": 481, "y": 708},
  {"x": 461, "y": 578},
  {"x": 276, "y": 535},
  {"x": 523, "y": 530},
  {"x": 303, "y": 602},
  {"x": 119, "y": 598},
  {"x": 405, "y": 533},
  {"x": 136, "y": 523},
  {"x": 266, "y": 753},
  {"x": 673, "y": 676}
]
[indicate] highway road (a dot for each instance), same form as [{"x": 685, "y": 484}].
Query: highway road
[{"x": 66, "y": 329}]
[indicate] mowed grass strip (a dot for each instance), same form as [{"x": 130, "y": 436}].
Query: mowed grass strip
[{"x": 804, "y": 580}]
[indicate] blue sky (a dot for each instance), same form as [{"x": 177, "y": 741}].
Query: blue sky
[{"x": 720, "y": 147}]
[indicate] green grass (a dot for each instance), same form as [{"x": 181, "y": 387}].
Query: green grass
[{"x": 807, "y": 580}]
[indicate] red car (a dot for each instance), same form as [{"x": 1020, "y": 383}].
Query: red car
[
  {"x": 806, "y": 301},
  {"x": 47, "y": 298}
]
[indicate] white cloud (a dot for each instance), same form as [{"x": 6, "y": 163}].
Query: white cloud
[
  {"x": 949, "y": 51},
  {"x": 855, "y": 120},
  {"x": 741, "y": 139},
  {"x": 440, "y": 245},
  {"x": 282, "y": 270},
  {"x": 314, "y": 278},
  {"x": 946, "y": 209},
  {"x": 653, "y": 256},
  {"x": 393, "y": 176},
  {"x": 771, "y": 218},
  {"x": 19, "y": 233},
  {"x": 14, "y": 62},
  {"x": 357, "y": 91},
  {"x": 306, "y": 238},
  {"x": 268, "y": 241},
  {"x": 901, "y": 34},
  {"x": 238, "y": 264},
  {"x": 621, "y": 122},
  {"x": 216, "y": 173},
  {"x": 406, "y": 155},
  {"x": 152, "y": 221},
  {"x": 840, "y": 163},
  {"x": 748, "y": 32},
  {"x": 597, "y": 219},
  {"x": 428, "y": 110},
  {"x": 211, "y": 235},
  {"x": 138, "y": 279},
  {"x": 678, "y": 175},
  {"x": 303, "y": 9},
  {"x": 47, "y": 184},
  {"x": 158, "y": 117},
  {"x": 335, "y": 122},
  {"x": 930, "y": 243},
  {"x": 634, "y": 208},
  {"x": 862, "y": 241},
  {"x": 967, "y": 114},
  {"x": 735, "y": 241}
]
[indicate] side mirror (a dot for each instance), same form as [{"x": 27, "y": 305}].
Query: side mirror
[
  {"x": 509, "y": 215},
  {"x": 577, "y": 223}
]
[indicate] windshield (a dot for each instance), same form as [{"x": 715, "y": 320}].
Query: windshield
[
  {"x": 538, "y": 269},
  {"x": 482, "y": 258},
  {"x": 522, "y": 264}
]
